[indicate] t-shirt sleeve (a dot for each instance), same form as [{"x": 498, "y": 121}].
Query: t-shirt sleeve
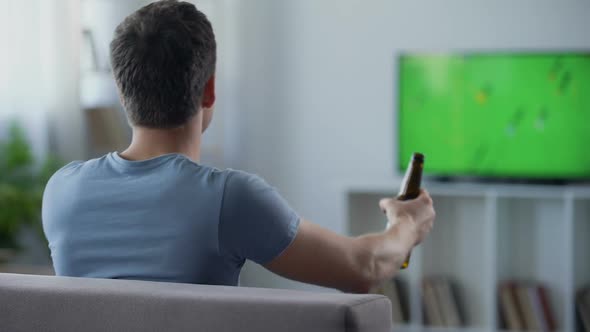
[{"x": 256, "y": 223}]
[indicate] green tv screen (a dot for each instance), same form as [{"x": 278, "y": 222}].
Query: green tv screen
[{"x": 524, "y": 116}]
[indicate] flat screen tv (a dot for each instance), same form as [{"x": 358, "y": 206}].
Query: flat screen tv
[{"x": 496, "y": 115}]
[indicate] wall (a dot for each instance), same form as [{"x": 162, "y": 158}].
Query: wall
[{"x": 315, "y": 96}]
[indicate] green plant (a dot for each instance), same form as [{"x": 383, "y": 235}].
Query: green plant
[{"x": 22, "y": 182}]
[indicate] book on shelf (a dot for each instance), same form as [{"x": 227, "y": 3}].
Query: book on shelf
[
  {"x": 395, "y": 290},
  {"x": 509, "y": 309},
  {"x": 432, "y": 312},
  {"x": 525, "y": 306},
  {"x": 551, "y": 324},
  {"x": 440, "y": 303},
  {"x": 583, "y": 309}
]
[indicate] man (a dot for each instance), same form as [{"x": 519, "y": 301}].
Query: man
[{"x": 152, "y": 212}]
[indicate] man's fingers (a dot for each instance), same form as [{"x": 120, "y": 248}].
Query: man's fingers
[
  {"x": 425, "y": 196},
  {"x": 384, "y": 203}
]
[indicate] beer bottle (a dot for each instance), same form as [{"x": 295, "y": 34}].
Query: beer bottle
[{"x": 410, "y": 187}]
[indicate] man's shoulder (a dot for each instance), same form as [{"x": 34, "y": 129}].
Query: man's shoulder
[
  {"x": 69, "y": 168},
  {"x": 69, "y": 174},
  {"x": 238, "y": 180},
  {"x": 76, "y": 166}
]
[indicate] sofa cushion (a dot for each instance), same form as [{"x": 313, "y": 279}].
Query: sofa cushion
[{"x": 64, "y": 304}]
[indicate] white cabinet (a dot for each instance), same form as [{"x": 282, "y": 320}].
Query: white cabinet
[{"x": 485, "y": 234}]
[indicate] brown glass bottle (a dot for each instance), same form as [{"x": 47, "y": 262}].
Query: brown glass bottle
[{"x": 410, "y": 187}]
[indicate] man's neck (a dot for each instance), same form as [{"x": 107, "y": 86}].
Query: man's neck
[{"x": 149, "y": 143}]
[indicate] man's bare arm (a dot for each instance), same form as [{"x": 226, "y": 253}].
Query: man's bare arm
[{"x": 355, "y": 264}]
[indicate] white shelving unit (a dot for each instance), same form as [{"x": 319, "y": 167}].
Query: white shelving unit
[{"x": 485, "y": 234}]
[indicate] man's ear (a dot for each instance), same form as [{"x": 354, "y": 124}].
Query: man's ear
[{"x": 209, "y": 93}]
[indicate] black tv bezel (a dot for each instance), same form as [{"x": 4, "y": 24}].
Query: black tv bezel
[{"x": 461, "y": 177}]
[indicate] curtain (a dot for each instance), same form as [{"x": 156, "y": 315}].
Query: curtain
[
  {"x": 60, "y": 71},
  {"x": 21, "y": 97},
  {"x": 39, "y": 70}
]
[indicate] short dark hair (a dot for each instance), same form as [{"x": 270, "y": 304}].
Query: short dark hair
[{"x": 162, "y": 57}]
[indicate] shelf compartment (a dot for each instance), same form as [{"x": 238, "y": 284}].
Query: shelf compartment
[
  {"x": 531, "y": 246},
  {"x": 457, "y": 250}
]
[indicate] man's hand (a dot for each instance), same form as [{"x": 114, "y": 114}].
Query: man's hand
[{"x": 419, "y": 212}]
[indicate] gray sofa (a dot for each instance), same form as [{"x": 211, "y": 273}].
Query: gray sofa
[{"x": 47, "y": 303}]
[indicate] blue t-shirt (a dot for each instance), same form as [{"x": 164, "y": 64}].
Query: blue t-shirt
[{"x": 162, "y": 219}]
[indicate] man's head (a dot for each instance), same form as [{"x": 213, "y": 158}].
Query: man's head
[{"x": 163, "y": 58}]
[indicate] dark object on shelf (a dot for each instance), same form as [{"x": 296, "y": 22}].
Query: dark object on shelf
[
  {"x": 525, "y": 306},
  {"x": 441, "y": 303},
  {"x": 509, "y": 310},
  {"x": 543, "y": 297},
  {"x": 583, "y": 309}
]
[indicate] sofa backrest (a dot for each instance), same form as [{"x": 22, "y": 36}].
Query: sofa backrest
[{"x": 48, "y": 303}]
